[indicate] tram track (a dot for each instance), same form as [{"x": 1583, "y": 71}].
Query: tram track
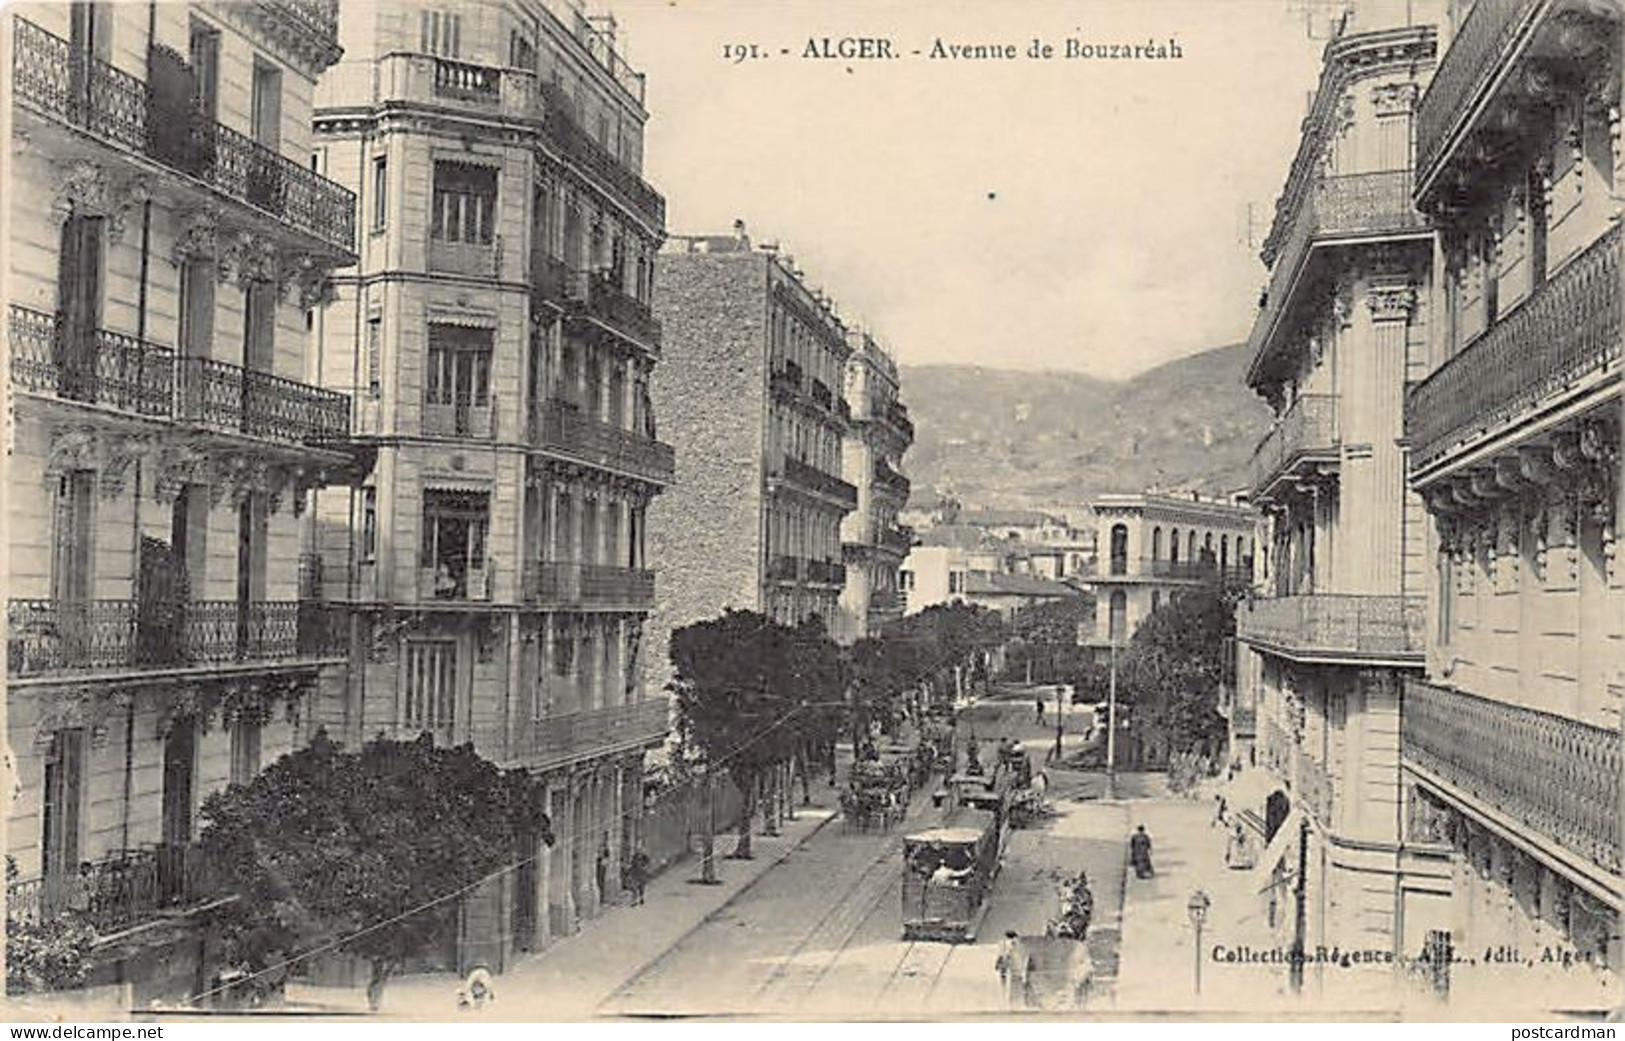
[{"x": 915, "y": 977}]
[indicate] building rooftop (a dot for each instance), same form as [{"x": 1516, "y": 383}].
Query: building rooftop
[
  {"x": 989, "y": 518},
  {"x": 988, "y": 582}
]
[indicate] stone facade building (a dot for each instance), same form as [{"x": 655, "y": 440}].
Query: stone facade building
[
  {"x": 752, "y": 399},
  {"x": 1510, "y": 744},
  {"x": 497, "y": 338},
  {"x": 170, "y": 241},
  {"x": 1324, "y": 651},
  {"x": 873, "y": 544}
]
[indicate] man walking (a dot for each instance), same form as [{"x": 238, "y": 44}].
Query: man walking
[
  {"x": 637, "y": 875},
  {"x": 1006, "y": 964}
]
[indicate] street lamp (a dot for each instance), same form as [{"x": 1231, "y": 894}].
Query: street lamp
[
  {"x": 1197, "y": 908},
  {"x": 1111, "y": 726}
]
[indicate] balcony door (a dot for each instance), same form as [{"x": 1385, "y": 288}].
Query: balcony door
[
  {"x": 251, "y": 567},
  {"x": 204, "y": 51},
  {"x": 61, "y": 811},
  {"x": 180, "y": 775},
  {"x": 1119, "y": 549},
  {"x": 265, "y": 186},
  {"x": 88, "y": 38},
  {"x": 259, "y": 409},
  {"x": 73, "y": 544},
  {"x": 453, "y": 550},
  {"x": 79, "y": 305},
  {"x": 457, "y": 383}
]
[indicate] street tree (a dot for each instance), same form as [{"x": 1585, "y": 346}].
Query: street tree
[
  {"x": 365, "y": 851},
  {"x": 821, "y": 678},
  {"x": 734, "y": 678},
  {"x": 1174, "y": 667},
  {"x": 1048, "y": 648}
]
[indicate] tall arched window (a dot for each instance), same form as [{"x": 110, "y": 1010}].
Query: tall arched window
[
  {"x": 1119, "y": 549},
  {"x": 1224, "y": 551},
  {"x": 1173, "y": 546},
  {"x": 1156, "y": 543},
  {"x": 1190, "y": 548},
  {"x": 1119, "y": 616}
]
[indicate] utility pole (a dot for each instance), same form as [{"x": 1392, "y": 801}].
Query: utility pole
[
  {"x": 1300, "y": 908},
  {"x": 1111, "y": 728},
  {"x": 708, "y": 864}
]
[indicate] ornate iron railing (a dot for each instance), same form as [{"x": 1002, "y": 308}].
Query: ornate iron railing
[
  {"x": 785, "y": 383},
  {"x": 1336, "y": 625},
  {"x": 890, "y": 479},
  {"x": 897, "y": 416},
  {"x": 1479, "y": 48},
  {"x": 462, "y": 418},
  {"x": 784, "y": 568},
  {"x": 1568, "y": 329},
  {"x": 826, "y": 572},
  {"x": 94, "y": 96},
  {"x": 320, "y": 17},
  {"x": 120, "y": 890},
  {"x": 816, "y": 480},
  {"x": 595, "y": 295},
  {"x": 1309, "y": 428},
  {"x": 115, "y": 370},
  {"x": 1556, "y": 777},
  {"x": 228, "y": 397},
  {"x": 553, "y": 739},
  {"x": 578, "y": 146},
  {"x": 46, "y": 637},
  {"x": 458, "y": 79},
  {"x": 569, "y": 584},
  {"x": 564, "y": 427},
  {"x": 1346, "y": 205},
  {"x": 822, "y": 396}
]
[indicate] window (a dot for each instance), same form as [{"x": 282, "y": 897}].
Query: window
[
  {"x": 521, "y": 51},
  {"x": 564, "y": 646},
  {"x": 905, "y": 581},
  {"x": 1118, "y": 618},
  {"x": 380, "y": 193},
  {"x": 265, "y": 117},
  {"x": 73, "y": 537},
  {"x": 245, "y": 751},
  {"x": 369, "y": 524},
  {"x": 375, "y": 347},
  {"x": 1119, "y": 549},
  {"x": 452, "y": 554},
  {"x": 441, "y": 33},
  {"x": 956, "y": 582},
  {"x": 457, "y": 381},
  {"x": 465, "y": 198},
  {"x": 430, "y": 682},
  {"x": 63, "y": 803}
]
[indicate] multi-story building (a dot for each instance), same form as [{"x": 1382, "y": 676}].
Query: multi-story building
[
  {"x": 170, "y": 239},
  {"x": 873, "y": 543},
  {"x": 752, "y": 398},
  {"x": 1326, "y": 646},
  {"x": 1510, "y": 744},
  {"x": 497, "y": 337},
  {"x": 1157, "y": 545}
]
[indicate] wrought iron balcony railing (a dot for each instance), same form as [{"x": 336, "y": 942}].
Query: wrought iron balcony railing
[
  {"x": 227, "y": 397},
  {"x": 784, "y": 568},
  {"x": 549, "y": 278},
  {"x": 897, "y": 540},
  {"x": 570, "y": 584},
  {"x": 564, "y": 427},
  {"x": 311, "y": 586},
  {"x": 1567, "y": 330},
  {"x": 462, "y": 584},
  {"x": 890, "y": 479},
  {"x": 595, "y": 295},
  {"x": 580, "y": 147},
  {"x": 48, "y": 637},
  {"x": 815, "y": 480},
  {"x": 1361, "y": 205},
  {"x": 1553, "y": 776},
  {"x": 318, "y": 17},
  {"x": 822, "y": 396},
  {"x": 111, "y": 369},
  {"x": 582, "y": 735},
  {"x": 1480, "y": 47},
  {"x": 1307, "y": 431},
  {"x": 92, "y": 95},
  {"x": 120, "y": 890},
  {"x": 1332, "y": 625}
]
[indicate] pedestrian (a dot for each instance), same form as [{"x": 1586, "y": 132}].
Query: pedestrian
[
  {"x": 1139, "y": 845},
  {"x": 1038, "y": 710},
  {"x": 603, "y": 873},
  {"x": 1005, "y": 963},
  {"x": 1218, "y": 810},
  {"x": 477, "y": 990},
  {"x": 637, "y": 875}
]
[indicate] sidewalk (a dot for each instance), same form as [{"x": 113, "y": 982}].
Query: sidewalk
[{"x": 573, "y": 976}]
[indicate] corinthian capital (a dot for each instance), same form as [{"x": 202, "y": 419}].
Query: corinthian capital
[{"x": 1391, "y": 303}]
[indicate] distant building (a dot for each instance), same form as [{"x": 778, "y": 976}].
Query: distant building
[
  {"x": 1040, "y": 543},
  {"x": 1156, "y": 545},
  {"x": 873, "y": 542},
  {"x": 956, "y": 570},
  {"x": 750, "y": 395}
]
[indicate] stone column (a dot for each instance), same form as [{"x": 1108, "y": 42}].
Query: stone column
[{"x": 1373, "y": 486}]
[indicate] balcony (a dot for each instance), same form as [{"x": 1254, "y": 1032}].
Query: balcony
[
  {"x": 822, "y": 396},
  {"x": 484, "y": 92},
  {"x": 471, "y": 259},
  {"x": 121, "y": 890},
  {"x": 461, "y": 419},
  {"x": 317, "y": 18},
  {"x": 564, "y": 427},
  {"x": 114, "y": 371},
  {"x": 1565, "y": 334},
  {"x": 1478, "y": 52},
  {"x": 311, "y": 578},
  {"x": 577, "y": 586},
  {"x": 465, "y": 82},
  {"x": 1548, "y": 776},
  {"x": 898, "y": 419},
  {"x": 1345, "y": 207},
  {"x": 890, "y": 480},
  {"x": 813, "y": 480},
  {"x": 231, "y": 399},
  {"x": 1329, "y": 627},
  {"x": 784, "y": 568},
  {"x": 580, "y": 148},
  {"x": 549, "y": 278},
  {"x": 463, "y": 585},
  {"x": 826, "y": 573},
  {"x": 1305, "y": 435},
  {"x": 51, "y": 637},
  {"x": 112, "y": 106},
  {"x": 786, "y": 382},
  {"x": 555, "y": 740},
  {"x": 594, "y": 297}
]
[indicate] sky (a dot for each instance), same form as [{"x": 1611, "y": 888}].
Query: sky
[{"x": 1034, "y": 214}]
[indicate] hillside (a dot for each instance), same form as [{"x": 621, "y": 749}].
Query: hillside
[{"x": 998, "y": 436}]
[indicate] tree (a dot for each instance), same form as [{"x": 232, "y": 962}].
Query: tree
[
  {"x": 734, "y": 682},
  {"x": 1044, "y": 638},
  {"x": 367, "y": 850},
  {"x": 821, "y": 678},
  {"x": 51, "y": 953},
  {"x": 1174, "y": 667}
]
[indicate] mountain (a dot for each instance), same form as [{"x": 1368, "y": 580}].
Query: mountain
[{"x": 1009, "y": 438}]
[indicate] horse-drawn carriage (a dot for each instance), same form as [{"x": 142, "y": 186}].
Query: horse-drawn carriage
[{"x": 876, "y": 795}]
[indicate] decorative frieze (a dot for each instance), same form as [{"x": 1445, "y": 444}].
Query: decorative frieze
[
  {"x": 1394, "y": 99},
  {"x": 198, "y": 238},
  {"x": 1391, "y": 302},
  {"x": 85, "y": 187}
]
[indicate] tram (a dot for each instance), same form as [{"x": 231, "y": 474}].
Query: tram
[{"x": 948, "y": 875}]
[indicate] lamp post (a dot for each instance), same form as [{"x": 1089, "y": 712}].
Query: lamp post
[
  {"x": 1197, "y": 908},
  {"x": 1111, "y": 727}
]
